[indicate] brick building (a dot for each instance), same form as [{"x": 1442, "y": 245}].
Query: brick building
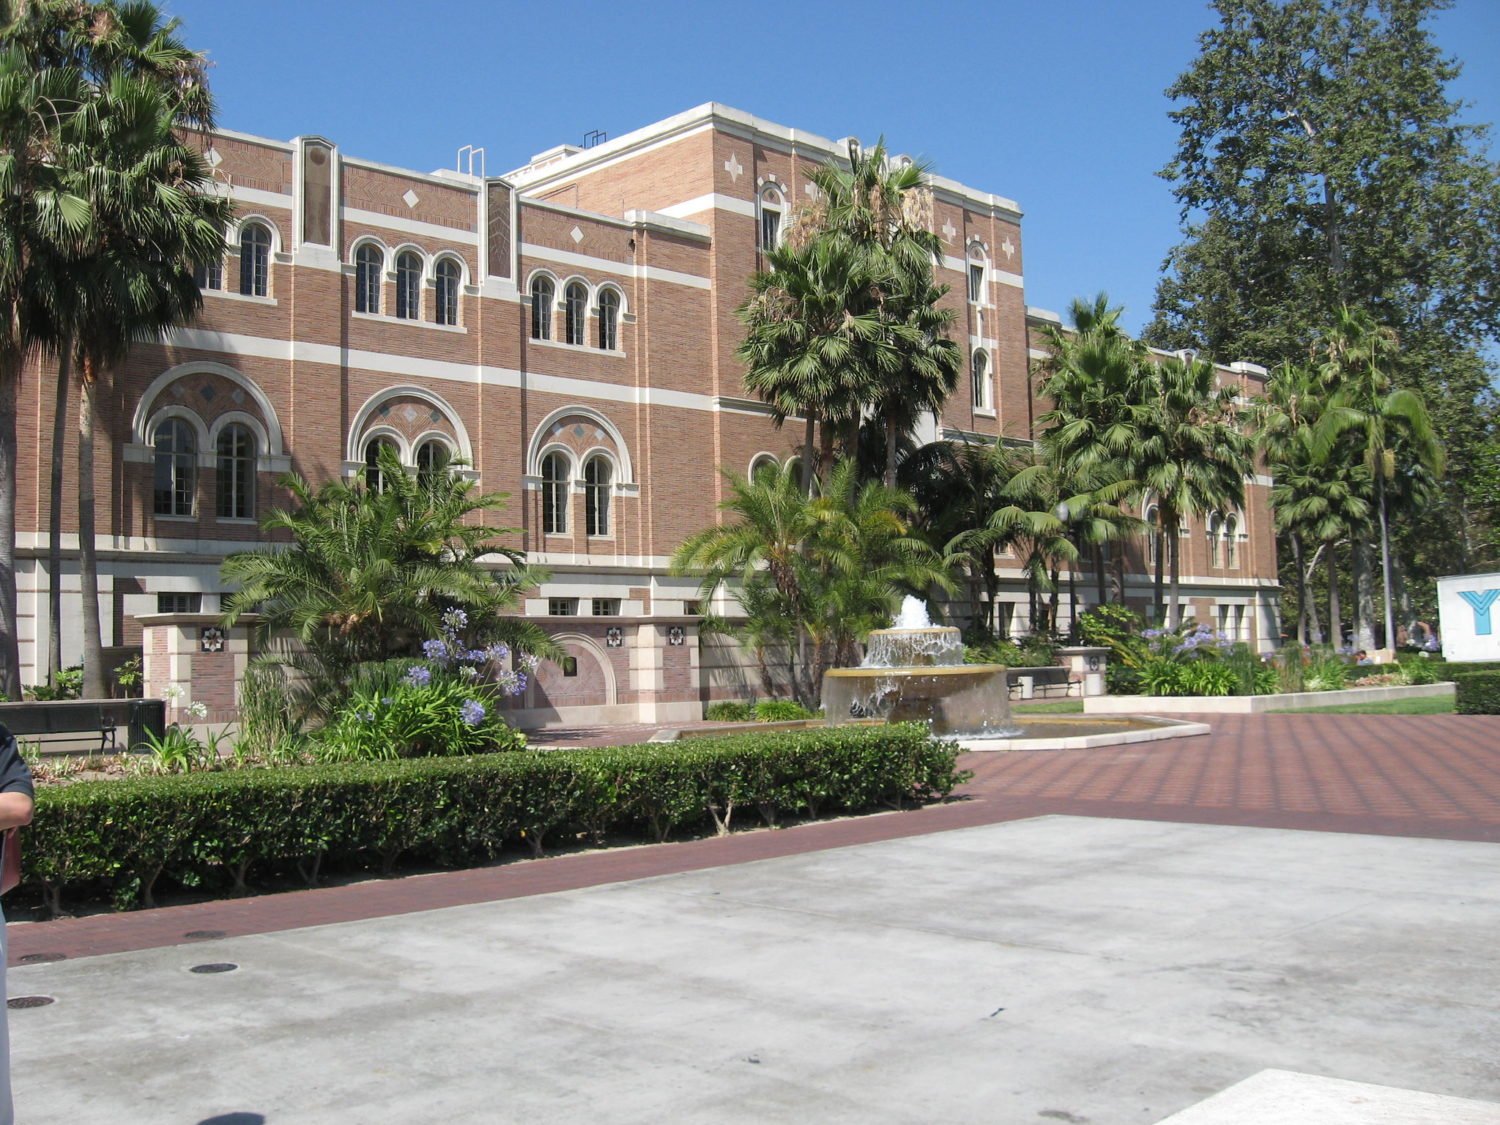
[{"x": 568, "y": 330}]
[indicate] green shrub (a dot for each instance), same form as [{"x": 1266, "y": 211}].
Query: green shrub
[
  {"x": 1122, "y": 679},
  {"x": 1325, "y": 671},
  {"x": 729, "y": 711},
  {"x": 1448, "y": 672},
  {"x": 119, "y": 838},
  {"x": 419, "y": 714},
  {"x": 781, "y": 711},
  {"x": 1161, "y": 676},
  {"x": 1477, "y": 693},
  {"x": 1206, "y": 677},
  {"x": 69, "y": 685},
  {"x": 1417, "y": 672},
  {"x": 1267, "y": 680}
]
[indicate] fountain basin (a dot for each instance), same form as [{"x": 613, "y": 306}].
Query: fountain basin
[{"x": 957, "y": 700}]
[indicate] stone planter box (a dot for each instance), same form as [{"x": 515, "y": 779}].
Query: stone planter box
[{"x": 1253, "y": 704}]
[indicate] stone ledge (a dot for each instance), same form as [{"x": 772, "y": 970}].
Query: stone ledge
[
  {"x": 1253, "y": 704},
  {"x": 1284, "y": 1097}
]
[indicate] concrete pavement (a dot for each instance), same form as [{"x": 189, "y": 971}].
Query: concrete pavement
[{"x": 1069, "y": 969}]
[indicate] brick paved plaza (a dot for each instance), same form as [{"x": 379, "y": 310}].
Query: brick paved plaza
[{"x": 1419, "y": 776}]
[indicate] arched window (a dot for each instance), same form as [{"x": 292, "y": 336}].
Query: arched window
[
  {"x": 176, "y": 468},
  {"x": 368, "y": 262},
  {"x": 432, "y": 458},
  {"x": 981, "y": 374},
  {"x": 771, "y": 207},
  {"x": 541, "y": 309},
  {"x": 255, "y": 260},
  {"x": 575, "y": 305},
  {"x": 446, "y": 277},
  {"x": 1153, "y": 534},
  {"x": 799, "y": 474},
  {"x": 1215, "y": 533},
  {"x": 764, "y": 463},
  {"x": 1231, "y": 542},
  {"x": 598, "y": 475},
  {"x": 408, "y": 285},
  {"x": 554, "y": 494},
  {"x": 236, "y": 473},
  {"x": 609, "y": 319},
  {"x": 372, "y": 462}
]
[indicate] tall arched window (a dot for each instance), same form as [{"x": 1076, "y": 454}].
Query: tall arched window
[
  {"x": 609, "y": 319},
  {"x": 1153, "y": 534},
  {"x": 446, "y": 278},
  {"x": 541, "y": 308},
  {"x": 575, "y": 306},
  {"x": 597, "y": 478},
  {"x": 771, "y": 207},
  {"x": 1215, "y": 532},
  {"x": 981, "y": 375},
  {"x": 1231, "y": 542},
  {"x": 554, "y": 494},
  {"x": 235, "y": 465},
  {"x": 176, "y": 468},
  {"x": 255, "y": 260},
  {"x": 408, "y": 285},
  {"x": 372, "y": 462},
  {"x": 209, "y": 275},
  {"x": 762, "y": 464},
  {"x": 432, "y": 458},
  {"x": 368, "y": 262}
]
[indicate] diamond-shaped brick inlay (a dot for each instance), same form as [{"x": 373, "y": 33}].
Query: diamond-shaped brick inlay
[
  {"x": 734, "y": 168},
  {"x": 385, "y": 411},
  {"x": 576, "y": 235},
  {"x": 435, "y": 415},
  {"x": 213, "y": 157},
  {"x": 579, "y": 431},
  {"x": 207, "y": 392},
  {"x": 238, "y": 396},
  {"x": 411, "y": 198},
  {"x": 178, "y": 390},
  {"x": 949, "y": 230},
  {"x": 410, "y": 413}
]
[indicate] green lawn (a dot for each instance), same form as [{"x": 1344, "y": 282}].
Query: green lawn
[
  {"x": 1049, "y": 707},
  {"x": 1424, "y": 705}
]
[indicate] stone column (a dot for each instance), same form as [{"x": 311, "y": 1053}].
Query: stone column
[
  {"x": 1086, "y": 666},
  {"x": 190, "y": 658}
]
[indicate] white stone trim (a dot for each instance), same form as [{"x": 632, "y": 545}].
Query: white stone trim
[
  {"x": 358, "y": 435},
  {"x": 625, "y": 269},
  {"x": 713, "y": 201},
  {"x": 539, "y": 445},
  {"x": 143, "y": 409},
  {"x": 408, "y": 226}
]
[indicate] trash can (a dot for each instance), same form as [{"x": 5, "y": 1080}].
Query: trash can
[{"x": 1028, "y": 686}]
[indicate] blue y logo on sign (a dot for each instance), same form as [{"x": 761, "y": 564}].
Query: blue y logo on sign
[{"x": 1480, "y": 602}]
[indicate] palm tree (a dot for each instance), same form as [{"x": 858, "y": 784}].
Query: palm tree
[
  {"x": 1035, "y": 520},
  {"x": 1383, "y": 423},
  {"x": 153, "y": 218},
  {"x": 369, "y": 572},
  {"x": 957, "y": 488},
  {"x": 39, "y": 214},
  {"x": 819, "y": 571},
  {"x": 1190, "y": 451},
  {"x": 882, "y": 212},
  {"x": 803, "y": 347}
]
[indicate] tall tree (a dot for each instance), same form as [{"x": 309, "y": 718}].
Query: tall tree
[
  {"x": 1389, "y": 425},
  {"x": 1323, "y": 162}
]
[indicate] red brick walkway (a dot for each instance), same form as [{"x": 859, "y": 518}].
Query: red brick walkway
[{"x": 1434, "y": 776}]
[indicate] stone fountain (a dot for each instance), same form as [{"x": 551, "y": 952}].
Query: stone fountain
[{"x": 915, "y": 672}]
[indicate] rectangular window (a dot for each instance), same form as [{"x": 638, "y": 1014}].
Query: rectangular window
[
  {"x": 570, "y": 666},
  {"x": 606, "y": 607},
  {"x": 179, "y": 603},
  {"x": 562, "y": 607},
  {"x": 692, "y": 609},
  {"x": 770, "y": 228},
  {"x": 210, "y": 276},
  {"x": 976, "y": 284}
]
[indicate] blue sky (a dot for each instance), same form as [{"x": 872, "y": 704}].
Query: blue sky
[{"x": 1057, "y": 105}]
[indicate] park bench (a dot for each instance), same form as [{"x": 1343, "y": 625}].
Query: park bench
[{"x": 80, "y": 719}]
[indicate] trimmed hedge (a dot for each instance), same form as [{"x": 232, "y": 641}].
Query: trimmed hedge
[
  {"x": 1449, "y": 671},
  {"x": 118, "y": 838},
  {"x": 1477, "y": 693}
]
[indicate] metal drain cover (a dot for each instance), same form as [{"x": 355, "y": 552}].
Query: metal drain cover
[
  {"x": 204, "y": 935},
  {"x": 41, "y": 958},
  {"x": 215, "y": 967},
  {"x": 29, "y": 1001}
]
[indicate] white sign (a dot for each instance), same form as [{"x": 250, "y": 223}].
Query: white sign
[{"x": 1469, "y": 616}]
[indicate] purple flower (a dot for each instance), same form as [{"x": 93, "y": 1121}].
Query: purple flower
[
  {"x": 455, "y": 619},
  {"x": 497, "y": 653},
  {"x": 420, "y": 676},
  {"x": 435, "y": 649},
  {"x": 472, "y": 712}
]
